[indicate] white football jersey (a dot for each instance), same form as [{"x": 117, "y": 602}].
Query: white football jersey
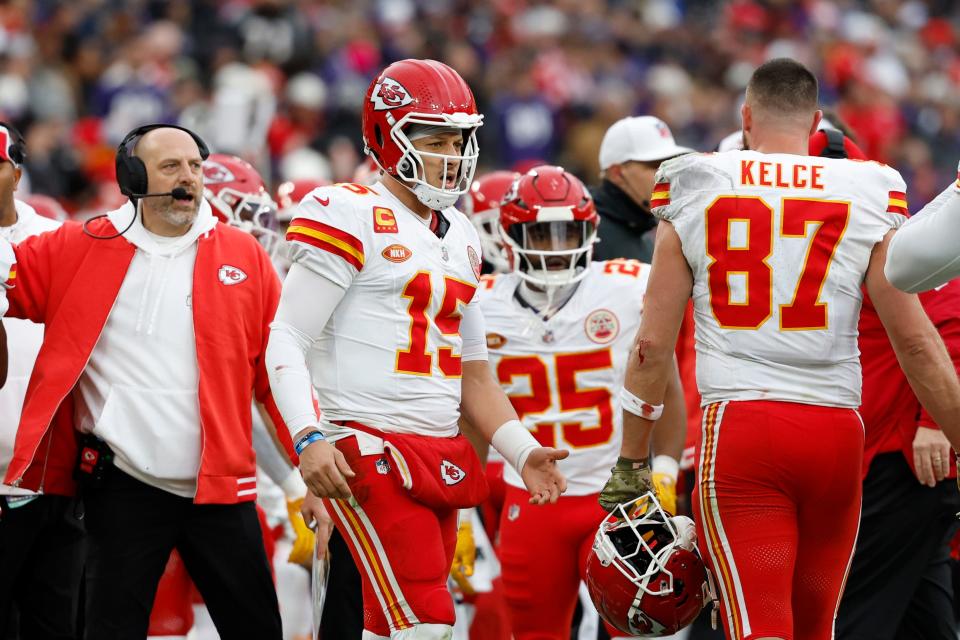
[
  {"x": 778, "y": 245},
  {"x": 390, "y": 355},
  {"x": 563, "y": 375}
]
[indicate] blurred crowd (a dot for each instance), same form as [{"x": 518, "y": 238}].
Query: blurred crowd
[{"x": 280, "y": 82}]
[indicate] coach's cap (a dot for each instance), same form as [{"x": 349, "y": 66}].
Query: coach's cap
[{"x": 642, "y": 138}]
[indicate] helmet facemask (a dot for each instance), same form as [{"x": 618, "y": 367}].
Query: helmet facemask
[
  {"x": 487, "y": 224},
  {"x": 253, "y": 213},
  {"x": 551, "y": 255},
  {"x": 411, "y": 168}
]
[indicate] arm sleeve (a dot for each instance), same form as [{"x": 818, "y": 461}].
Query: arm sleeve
[
  {"x": 306, "y": 304},
  {"x": 472, "y": 332},
  {"x": 925, "y": 252}
]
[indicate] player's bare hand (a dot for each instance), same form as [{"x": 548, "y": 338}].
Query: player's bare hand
[
  {"x": 542, "y": 477},
  {"x": 325, "y": 470},
  {"x": 629, "y": 479},
  {"x": 316, "y": 517},
  {"x": 931, "y": 456}
]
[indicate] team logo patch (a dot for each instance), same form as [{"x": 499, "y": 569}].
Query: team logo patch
[
  {"x": 513, "y": 512},
  {"x": 383, "y": 466},
  {"x": 451, "y": 473},
  {"x": 216, "y": 173},
  {"x": 384, "y": 221},
  {"x": 231, "y": 275},
  {"x": 602, "y": 326},
  {"x": 474, "y": 261},
  {"x": 389, "y": 94},
  {"x": 495, "y": 341},
  {"x": 396, "y": 253}
]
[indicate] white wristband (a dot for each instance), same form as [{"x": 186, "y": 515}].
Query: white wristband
[
  {"x": 638, "y": 407},
  {"x": 514, "y": 442},
  {"x": 293, "y": 486},
  {"x": 666, "y": 465}
]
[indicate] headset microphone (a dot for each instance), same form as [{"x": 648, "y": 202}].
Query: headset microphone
[{"x": 178, "y": 193}]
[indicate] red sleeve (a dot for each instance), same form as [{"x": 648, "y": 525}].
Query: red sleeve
[
  {"x": 261, "y": 385},
  {"x": 943, "y": 308},
  {"x": 29, "y": 297}
]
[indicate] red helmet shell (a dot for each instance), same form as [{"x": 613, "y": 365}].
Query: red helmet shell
[
  {"x": 541, "y": 192},
  {"x": 487, "y": 191},
  {"x": 228, "y": 181},
  {"x": 290, "y": 193},
  {"x": 614, "y": 596},
  {"x": 427, "y": 89}
]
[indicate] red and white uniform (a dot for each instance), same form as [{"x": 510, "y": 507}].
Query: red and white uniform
[
  {"x": 778, "y": 246},
  {"x": 390, "y": 355},
  {"x": 562, "y": 376},
  {"x": 386, "y": 368}
]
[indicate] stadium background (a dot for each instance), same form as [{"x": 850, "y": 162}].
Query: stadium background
[{"x": 280, "y": 82}]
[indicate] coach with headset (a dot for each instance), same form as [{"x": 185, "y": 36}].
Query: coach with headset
[{"x": 156, "y": 323}]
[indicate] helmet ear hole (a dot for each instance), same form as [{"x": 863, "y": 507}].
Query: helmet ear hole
[{"x": 378, "y": 134}]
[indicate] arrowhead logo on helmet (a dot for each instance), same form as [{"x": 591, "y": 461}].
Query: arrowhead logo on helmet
[{"x": 389, "y": 94}]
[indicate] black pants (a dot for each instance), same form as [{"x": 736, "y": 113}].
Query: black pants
[
  {"x": 343, "y": 607},
  {"x": 41, "y": 561},
  {"x": 132, "y": 527},
  {"x": 900, "y": 584}
]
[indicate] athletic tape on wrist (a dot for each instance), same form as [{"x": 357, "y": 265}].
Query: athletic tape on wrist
[
  {"x": 638, "y": 407},
  {"x": 514, "y": 442}
]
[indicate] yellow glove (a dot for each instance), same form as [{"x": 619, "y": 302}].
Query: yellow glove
[
  {"x": 464, "y": 557},
  {"x": 665, "y": 472},
  {"x": 666, "y": 488},
  {"x": 304, "y": 542}
]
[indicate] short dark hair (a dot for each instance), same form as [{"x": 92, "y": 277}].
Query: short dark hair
[{"x": 783, "y": 85}]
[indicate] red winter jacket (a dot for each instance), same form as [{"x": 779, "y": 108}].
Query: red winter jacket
[{"x": 69, "y": 281}]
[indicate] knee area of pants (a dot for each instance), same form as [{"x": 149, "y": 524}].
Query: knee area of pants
[{"x": 424, "y": 632}]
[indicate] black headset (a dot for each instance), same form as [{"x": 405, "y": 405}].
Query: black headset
[
  {"x": 131, "y": 172},
  {"x": 17, "y": 147}
]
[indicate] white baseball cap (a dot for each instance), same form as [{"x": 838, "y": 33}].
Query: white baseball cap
[{"x": 641, "y": 138}]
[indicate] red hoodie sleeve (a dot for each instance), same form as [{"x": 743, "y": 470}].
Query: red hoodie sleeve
[{"x": 35, "y": 268}]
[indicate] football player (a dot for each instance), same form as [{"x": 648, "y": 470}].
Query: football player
[
  {"x": 380, "y": 323},
  {"x": 558, "y": 331},
  {"x": 773, "y": 245}
]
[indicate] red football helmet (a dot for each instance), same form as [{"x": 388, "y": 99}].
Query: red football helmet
[
  {"x": 291, "y": 192},
  {"x": 548, "y": 225},
  {"x": 46, "y": 206},
  {"x": 482, "y": 206},
  {"x": 420, "y": 92},
  {"x": 644, "y": 573},
  {"x": 238, "y": 197}
]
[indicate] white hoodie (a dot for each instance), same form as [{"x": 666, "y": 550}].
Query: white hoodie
[
  {"x": 23, "y": 342},
  {"x": 139, "y": 390}
]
